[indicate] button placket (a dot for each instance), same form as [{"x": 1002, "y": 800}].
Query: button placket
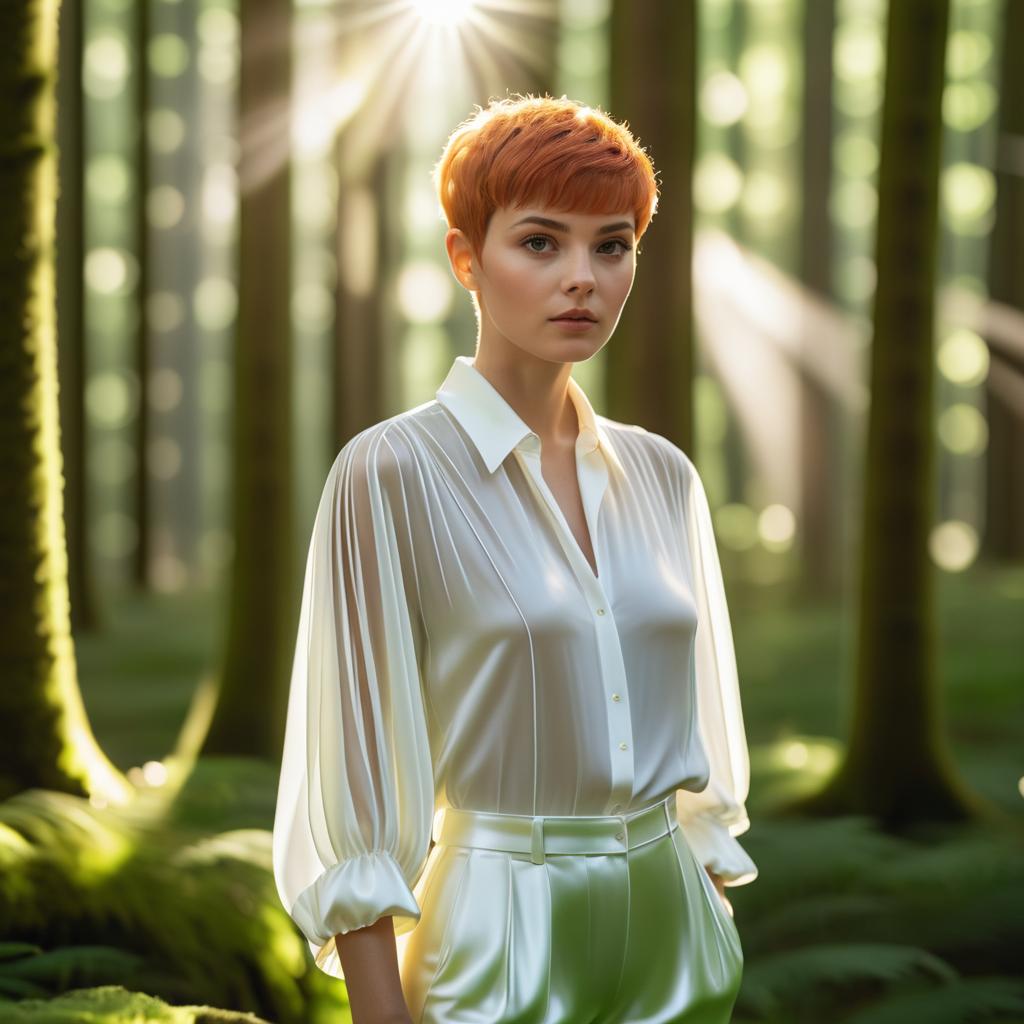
[
  {"x": 593, "y": 479},
  {"x": 616, "y": 692}
]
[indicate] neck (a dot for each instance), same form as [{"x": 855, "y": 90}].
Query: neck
[{"x": 537, "y": 390}]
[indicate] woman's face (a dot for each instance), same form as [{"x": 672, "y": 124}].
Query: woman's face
[{"x": 537, "y": 263}]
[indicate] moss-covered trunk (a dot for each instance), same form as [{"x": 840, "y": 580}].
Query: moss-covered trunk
[
  {"x": 85, "y": 613},
  {"x": 46, "y": 736}
]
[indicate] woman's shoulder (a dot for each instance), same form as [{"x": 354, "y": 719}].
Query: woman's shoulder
[
  {"x": 631, "y": 438},
  {"x": 385, "y": 452},
  {"x": 389, "y": 445}
]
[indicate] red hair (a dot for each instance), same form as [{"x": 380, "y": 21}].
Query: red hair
[{"x": 557, "y": 153}]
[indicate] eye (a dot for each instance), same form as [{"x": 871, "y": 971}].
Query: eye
[
  {"x": 618, "y": 241},
  {"x": 535, "y": 238},
  {"x": 625, "y": 246}
]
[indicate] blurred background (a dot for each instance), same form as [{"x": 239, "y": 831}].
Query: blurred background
[{"x": 223, "y": 256}]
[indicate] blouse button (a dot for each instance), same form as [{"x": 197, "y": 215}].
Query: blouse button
[
  {"x": 600, "y": 611},
  {"x": 615, "y": 696},
  {"x": 622, "y": 746},
  {"x": 620, "y": 835}
]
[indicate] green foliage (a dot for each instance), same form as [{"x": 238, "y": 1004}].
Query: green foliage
[
  {"x": 961, "y": 1001},
  {"x": 143, "y": 897},
  {"x": 113, "y": 1004},
  {"x": 813, "y": 977},
  {"x": 846, "y": 924},
  {"x": 36, "y": 972}
]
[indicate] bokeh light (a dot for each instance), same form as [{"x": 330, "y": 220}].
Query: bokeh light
[
  {"x": 953, "y": 545},
  {"x": 963, "y": 357}
]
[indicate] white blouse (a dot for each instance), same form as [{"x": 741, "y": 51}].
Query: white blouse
[{"x": 456, "y": 649}]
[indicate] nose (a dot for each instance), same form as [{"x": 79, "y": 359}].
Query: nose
[{"x": 579, "y": 275}]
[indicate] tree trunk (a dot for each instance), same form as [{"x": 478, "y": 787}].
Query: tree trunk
[
  {"x": 897, "y": 767},
  {"x": 71, "y": 318},
  {"x": 47, "y": 739},
  {"x": 140, "y": 566},
  {"x": 819, "y": 416},
  {"x": 262, "y": 614},
  {"x": 1004, "y": 533},
  {"x": 650, "y": 365}
]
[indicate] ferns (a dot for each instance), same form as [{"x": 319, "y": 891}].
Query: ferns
[
  {"x": 35, "y": 972},
  {"x": 963, "y": 1001},
  {"x": 848, "y": 925},
  {"x": 141, "y": 898},
  {"x": 800, "y": 976}
]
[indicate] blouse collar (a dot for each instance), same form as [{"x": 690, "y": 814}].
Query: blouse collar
[{"x": 496, "y": 428}]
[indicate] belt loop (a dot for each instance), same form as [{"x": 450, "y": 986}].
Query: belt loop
[{"x": 537, "y": 841}]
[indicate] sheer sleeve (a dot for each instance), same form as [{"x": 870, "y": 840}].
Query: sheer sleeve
[
  {"x": 713, "y": 817},
  {"x": 355, "y": 799}
]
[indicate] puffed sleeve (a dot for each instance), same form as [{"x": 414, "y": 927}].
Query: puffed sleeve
[
  {"x": 717, "y": 814},
  {"x": 355, "y": 798}
]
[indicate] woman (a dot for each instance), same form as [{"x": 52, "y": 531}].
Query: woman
[{"x": 514, "y": 641}]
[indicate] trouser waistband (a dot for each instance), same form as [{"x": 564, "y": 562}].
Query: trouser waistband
[{"x": 540, "y": 835}]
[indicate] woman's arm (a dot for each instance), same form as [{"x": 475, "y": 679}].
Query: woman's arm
[
  {"x": 356, "y": 794},
  {"x": 369, "y": 958}
]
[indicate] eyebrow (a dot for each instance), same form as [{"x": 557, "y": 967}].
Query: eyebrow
[{"x": 557, "y": 225}]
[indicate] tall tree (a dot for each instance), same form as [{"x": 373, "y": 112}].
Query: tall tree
[
  {"x": 71, "y": 315},
  {"x": 896, "y": 766},
  {"x": 249, "y": 716},
  {"x": 140, "y": 566},
  {"x": 650, "y": 368},
  {"x": 1004, "y": 536},
  {"x": 47, "y": 739},
  {"x": 820, "y": 546}
]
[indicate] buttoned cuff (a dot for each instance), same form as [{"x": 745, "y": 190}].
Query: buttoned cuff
[
  {"x": 353, "y": 894},
  {"x": 716, "y": 848}
]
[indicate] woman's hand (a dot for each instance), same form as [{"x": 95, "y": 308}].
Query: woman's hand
[{"x": 719, "y": 883}]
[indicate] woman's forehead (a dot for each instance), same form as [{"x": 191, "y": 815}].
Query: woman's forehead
[{"x": 565, "y": 220}]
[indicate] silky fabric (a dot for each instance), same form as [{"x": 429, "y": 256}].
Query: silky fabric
[
  {"x": 634, "y": 933},
  {"x": 456, "y": 649}
]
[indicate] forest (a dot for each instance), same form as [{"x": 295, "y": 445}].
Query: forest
[{"x": 224, "y": 257}]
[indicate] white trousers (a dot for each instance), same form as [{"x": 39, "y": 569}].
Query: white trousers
[{"x": 568, "y": 920}]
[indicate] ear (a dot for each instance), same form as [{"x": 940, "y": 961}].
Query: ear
[{"x": 460, "y": 256}]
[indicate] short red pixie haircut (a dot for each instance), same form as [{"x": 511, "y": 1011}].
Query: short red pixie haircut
[{"x": 538, "y": 150}]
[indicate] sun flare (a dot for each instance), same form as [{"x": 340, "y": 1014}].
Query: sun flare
[{"x": 443, "y": 12}]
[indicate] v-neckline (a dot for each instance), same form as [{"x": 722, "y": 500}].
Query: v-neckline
[{"x": 564, "y": 522}]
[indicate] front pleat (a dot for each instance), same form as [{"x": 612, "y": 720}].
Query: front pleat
[
  {"x": 548, "y": 915},
  {"x": 698, "y": 919},
  {"x": 628, "y": 928},
  {"x": 444, "y": 949},
  {"x": 510, "y": 952},
  {"x": 472, "y": 981}
]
